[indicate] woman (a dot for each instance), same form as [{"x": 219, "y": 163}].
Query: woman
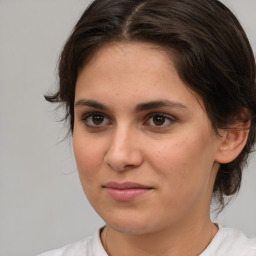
[{"x": 161, "y": 100}]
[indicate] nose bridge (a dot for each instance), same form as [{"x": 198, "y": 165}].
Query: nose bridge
[
  {"x": 121, "y": 137},
  {"x": 123, "y": 151}
]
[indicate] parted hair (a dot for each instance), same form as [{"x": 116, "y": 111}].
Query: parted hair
[{"x": 210, "y": 50}]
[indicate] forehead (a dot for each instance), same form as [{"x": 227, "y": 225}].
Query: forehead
[
  {"x": 141, "y": 71},
  {"x": 128, "y": 53}
]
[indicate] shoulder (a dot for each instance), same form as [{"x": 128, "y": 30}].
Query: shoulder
[
  {"x": 230, "y": 242},
  {"x": 78, "y": 248},
  {"x": 90, "y": 246}
]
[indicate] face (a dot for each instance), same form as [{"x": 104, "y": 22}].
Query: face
[{"x": 144, "y": 146}]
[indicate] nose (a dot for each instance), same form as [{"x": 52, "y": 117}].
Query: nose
[{"x": 124, "y": 151}]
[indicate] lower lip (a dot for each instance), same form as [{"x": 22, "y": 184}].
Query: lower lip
[{"x": 126, "y": 194}]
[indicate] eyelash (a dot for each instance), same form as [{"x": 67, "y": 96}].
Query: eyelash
[
  {"x": 86, "y": 117},
  {"x": 90, "y": 124},
  {"x": 168, "y": 118}
]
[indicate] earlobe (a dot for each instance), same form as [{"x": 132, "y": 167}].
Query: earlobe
[{"x": 233, "y": 141}]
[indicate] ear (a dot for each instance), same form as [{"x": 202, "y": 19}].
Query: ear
[{"x": 234, "y": 138}]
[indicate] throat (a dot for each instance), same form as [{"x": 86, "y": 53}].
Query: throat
[{"x": 170, "y": 244}]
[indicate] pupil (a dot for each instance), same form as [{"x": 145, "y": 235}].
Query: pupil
[
  {"x": 158, "y": 120},
  {"x": 97, "y": 119}
]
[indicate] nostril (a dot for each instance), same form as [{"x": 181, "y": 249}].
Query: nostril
[
  {"x": 120, "y": 166},
  {"x": 123, "y": 152},
  {"x": 123, "y": 162}
]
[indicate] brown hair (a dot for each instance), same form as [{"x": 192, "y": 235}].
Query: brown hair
[{"x": 213, "y": 57}]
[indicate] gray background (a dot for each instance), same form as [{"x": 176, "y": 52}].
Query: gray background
[{"x": 42, "y": 203}]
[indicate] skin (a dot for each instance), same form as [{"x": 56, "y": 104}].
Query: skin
[{"x": 176, "y": 157}]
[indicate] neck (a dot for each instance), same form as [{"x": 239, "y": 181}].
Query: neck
[{"x": 189, "y": 239}]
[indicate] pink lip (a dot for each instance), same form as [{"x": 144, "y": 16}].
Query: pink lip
[{"x": 125, "y": 191}]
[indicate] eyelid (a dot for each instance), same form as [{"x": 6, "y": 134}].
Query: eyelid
[
  {"x": 91, "y": 113},
  {"x": 167, "y": 116},
  {"x": 108, "y": 120},
  {"x": 85, "y": 117}
]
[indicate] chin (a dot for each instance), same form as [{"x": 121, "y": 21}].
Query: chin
[
  {"x": 130, "y": 224},
  {"x": 128, "y": 228}
]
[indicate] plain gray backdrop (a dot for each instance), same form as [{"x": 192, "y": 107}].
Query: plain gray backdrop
[{"x": 42, "y": 205}]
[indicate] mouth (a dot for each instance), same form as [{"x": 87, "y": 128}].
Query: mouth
[{"x": 127, "y": 191}]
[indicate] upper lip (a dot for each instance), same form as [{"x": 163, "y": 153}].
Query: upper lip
[{"x": 125, "y": 185}]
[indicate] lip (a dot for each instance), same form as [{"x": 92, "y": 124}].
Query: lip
[{"x": 127, "y": 191}]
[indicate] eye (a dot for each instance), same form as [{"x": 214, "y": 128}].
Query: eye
[
  {"x": 159, "y": 120},
  {"x": 95, "y": 119}
]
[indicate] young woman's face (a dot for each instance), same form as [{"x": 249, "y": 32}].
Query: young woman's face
[{"x": 144, "y": 146}]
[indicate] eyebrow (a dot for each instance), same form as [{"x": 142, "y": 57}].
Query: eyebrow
[
  {"x": 159, "y": 104},
  {"x": 139, "y": 108},
  {"x": 91, "y": 103}
]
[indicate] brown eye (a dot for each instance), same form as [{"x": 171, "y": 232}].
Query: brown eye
[
  {"x": 97, "y": 119},
  {"x": 158, "y": 120}
]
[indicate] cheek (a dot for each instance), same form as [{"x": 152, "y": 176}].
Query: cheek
[
  {"x": 89, "y": 156},
  {"x": 185, "y": 163},
  {"x": 172, "y": 154},
  {"x": 185, "y": 179}
]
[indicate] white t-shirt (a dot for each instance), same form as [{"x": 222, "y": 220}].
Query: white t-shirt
[{"x": 227, "y": 242}]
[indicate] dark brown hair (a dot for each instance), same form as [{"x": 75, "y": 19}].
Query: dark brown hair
[{"x": 212, "y": 56}]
